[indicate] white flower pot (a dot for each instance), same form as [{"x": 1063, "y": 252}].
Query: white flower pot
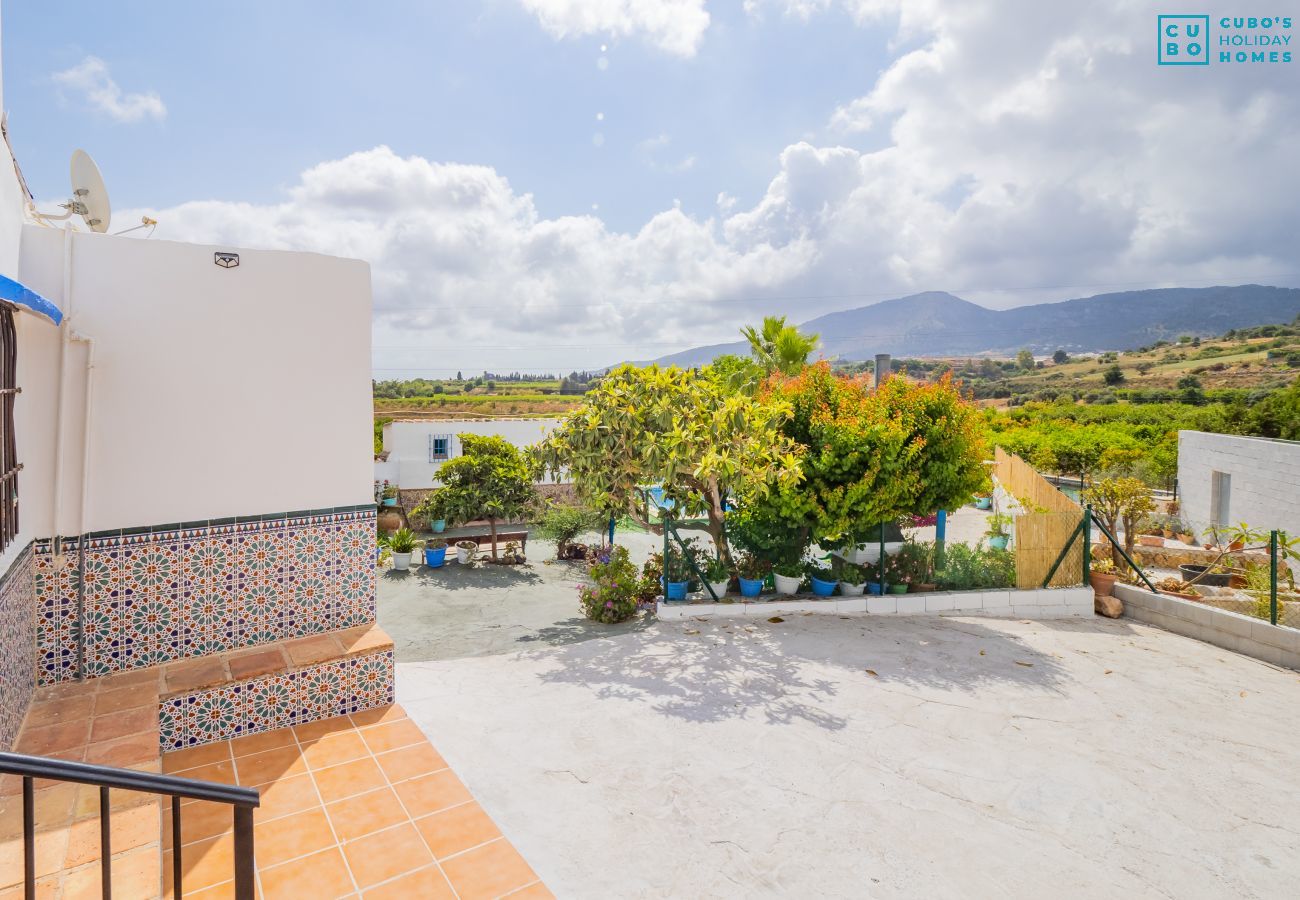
[
  {"x": 463, "y": 554},
  {"x": 786, "y": 584},
  {"x": 852, "y": 590},
  {"x": 719, "y": 588},
  {"x": 401, "y": 562},
  {"x": 892, "y": 548}
]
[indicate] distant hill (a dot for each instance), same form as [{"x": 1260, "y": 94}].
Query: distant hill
[{"x": 939, "y": 324}]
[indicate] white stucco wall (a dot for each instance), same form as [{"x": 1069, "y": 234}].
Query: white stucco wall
[
  {"x": 217, "y": 392},
  {"x": 407, "y": 443},
  {"x": 1265, "y": 485}
]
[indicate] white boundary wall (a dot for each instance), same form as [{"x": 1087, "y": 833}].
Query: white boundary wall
[
  {"x": 407, "y": 442},
  {"x": 1043, "y": 603},
  {"x": 1265, "y": 479}
]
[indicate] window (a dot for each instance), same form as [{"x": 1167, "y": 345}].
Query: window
[
  {"x": 9, "y": 390},
  {"x": 1220, "y": 498},
  {"x": 439, "y": 447}
]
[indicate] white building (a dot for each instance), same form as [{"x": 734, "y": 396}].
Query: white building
[
  {"x": 414, "y": 449},
  {"x": 1225, "y": 479}
]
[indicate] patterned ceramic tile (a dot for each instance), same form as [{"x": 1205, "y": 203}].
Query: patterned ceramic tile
[
  {"x": 271, "y": 702},
  {"x": 18, "y": 650},
  {"x": 216, "y": 714},
  {"x": 171, "y": 594}
]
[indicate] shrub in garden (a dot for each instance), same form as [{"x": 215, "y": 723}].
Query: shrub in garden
[
  {"x": 562, "y": 522},
  {"x": 967, "y": 568},
  {"x": 615, "y": 589}
]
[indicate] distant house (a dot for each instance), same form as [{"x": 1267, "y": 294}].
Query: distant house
[
  {"x": 1224, "y": 479},
  {"x": 414, "y": 449}
]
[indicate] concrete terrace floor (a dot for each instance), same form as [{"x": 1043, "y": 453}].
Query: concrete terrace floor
[{"x": 835, "y": 756}]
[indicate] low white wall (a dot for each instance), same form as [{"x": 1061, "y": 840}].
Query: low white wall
[
  {"x": 407, "y": 443},
  {"x": 1043, "y": 603},
  {"x": 1265, "y": 490},
  {"x": 1231, "y": 631}
]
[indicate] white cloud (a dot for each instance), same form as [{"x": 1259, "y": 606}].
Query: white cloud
[
  {"x": 92, "y": 82},
  {"x": 1011, "y": 164},
  {"x": 651, "y": 151},
  {"x": 674, "y": 26}
]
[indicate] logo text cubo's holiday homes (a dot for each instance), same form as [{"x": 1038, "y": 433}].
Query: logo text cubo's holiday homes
[{"x": 1195, "y": 40}]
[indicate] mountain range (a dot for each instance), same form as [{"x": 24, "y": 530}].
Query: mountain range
[{"x": 940, "y": 324}]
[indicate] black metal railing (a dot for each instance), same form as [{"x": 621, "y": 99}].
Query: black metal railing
[{"x": 243, "y": 800}]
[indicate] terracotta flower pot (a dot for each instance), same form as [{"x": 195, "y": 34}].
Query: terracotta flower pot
[
  {"x": 1102, "y": 583},
  {"x": 1235, "y": 546},
  {"x": 1151, "y": 540}
]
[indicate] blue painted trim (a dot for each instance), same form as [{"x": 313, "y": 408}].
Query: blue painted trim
[{"x": 21, "y": 295}]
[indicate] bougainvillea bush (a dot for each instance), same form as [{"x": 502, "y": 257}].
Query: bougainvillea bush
[{"x": 616, "y": 586}]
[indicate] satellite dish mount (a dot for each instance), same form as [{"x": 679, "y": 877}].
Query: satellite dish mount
[{"x": 89, "y": 196}]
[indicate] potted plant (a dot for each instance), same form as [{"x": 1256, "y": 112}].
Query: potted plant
[
  {"x": 823, "y": 579},
  {"x": 982, "y": 502},
  {"x": 1185, "y": 533},
  {"x": 895, "y": 577},
  {"x": 751, "y": 572},
  {"x": 998, "y": 532},
  {"x": 717, "y": 575},
  {"x": 389, "y": 497},
  {"x": 1103, "y": 576},
  {"x": 435, "y": 553},
  {"x": 1175, "y": 588},
  {"x": 916, "y": 564},
  {"x": 438, "y": 526},
  {"x": 402, "y": 543},
  {"x": 465, "y": 551},
  {"x": 853, "y": 580},
  {"x": 872, "y": 574},
  {"x": 788, "y": 577},
  {"x": 1150, "y": 533},
  {"x": 677, "y": 576}
]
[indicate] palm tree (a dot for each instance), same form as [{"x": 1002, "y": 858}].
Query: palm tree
[{"x": 779, "y": 347}]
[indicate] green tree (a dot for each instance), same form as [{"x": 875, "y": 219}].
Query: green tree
[
  {"x": 1060, "y": 357},
  {"x": 779, "y": 347},
  {"x": 681, "y": 429},
  {"x": 491, "y": 479},
  {"x": 1025, "y": 360},
  {"x": 1121, "y": 504}
]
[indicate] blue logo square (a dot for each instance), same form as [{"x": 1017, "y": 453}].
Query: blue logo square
[{"x": 1183, "y": 40}]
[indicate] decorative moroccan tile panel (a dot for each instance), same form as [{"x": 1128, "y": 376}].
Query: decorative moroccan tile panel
[
  {"x": 154, "y": 595},
  {"x": 17, "y": 646},
  {"x": 274, "y": 701}
]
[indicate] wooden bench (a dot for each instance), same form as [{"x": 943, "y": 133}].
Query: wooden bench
[{"x": 484, "y": 539}]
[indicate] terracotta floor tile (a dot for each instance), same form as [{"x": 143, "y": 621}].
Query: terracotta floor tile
[
  {"x": 457, "y": 829},
  {"x": 332, "y": 749},
  {"x": 258, "y": 743},
  {"x": 378, "y": 715},
  {"x": 137, "y": 874},
  {"x": 125, "y": 751},
  {"x": 45, "y": 740},
  {"x": 202, "y": 755},
  {"x": 54, "y": 806},
  {"x": 386, "y": 854},
  {"x": 87, "y": 803},
  {"x": 321, "y": 876},
  {"x": 290, "y": 837},
  {"x": 141, "y": 720},
  {"x": 409, "y": 762},
  {"x": 51, "y": 850},
  {"x": 348, "y": 779},
  {"x": 199, "y": 820},
  {"x": 488, "y": 871},
  {"x": 432, "y": 793},
  {"x": 427, "y": 884},
  {"x": 261, "y": 661},
  {"x": 147, "y": 677},
  {"x": 314, "y": 731},
  {"x": 204, "y": 863},
  {"x": 537, "y": 891},
  {"x": 305, "y": 651},
  {"x": 223, "y": 772},
  {"x": 393, "y": 735},
  {"x": 131, "y": 828},
  {"x": 365, "y": 813},
  {"x": 193, "y": 674},
  {"x": 56, "y": 711},
  {"x": 107, "y": 702},
  {"x": 224, "y": 891},
  {"x": 364, "y": 639},
  {"x": 269, "y": 765},
  {"x": 286, "y": 796}
]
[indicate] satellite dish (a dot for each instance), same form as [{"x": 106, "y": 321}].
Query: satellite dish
[{"x": 89, "y": 196}]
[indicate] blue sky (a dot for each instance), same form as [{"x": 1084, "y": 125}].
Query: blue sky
[
  {"x": 752, "y": 157},
  {"x": 257, "y": 92}
]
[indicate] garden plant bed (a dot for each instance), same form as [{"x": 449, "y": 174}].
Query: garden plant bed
[{"x": 1045, "y": 603}]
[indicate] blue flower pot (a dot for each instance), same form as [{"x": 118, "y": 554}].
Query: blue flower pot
[
  {"x": 675, "y": 590},
  {"x": 390, "y": 501},
  {"x": 983, "y": 502},
  {"x": 823, "y": 588},
  {"x": 999, "y": 542},
  {"x": 751, "y": 587},
  {"x": 435, "y": 558},
  {"x": 873, "y": 587},
  {"x": 438, "y": 526}
]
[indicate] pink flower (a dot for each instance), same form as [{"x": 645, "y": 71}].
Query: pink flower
[{"x": 609, "y": 604}]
